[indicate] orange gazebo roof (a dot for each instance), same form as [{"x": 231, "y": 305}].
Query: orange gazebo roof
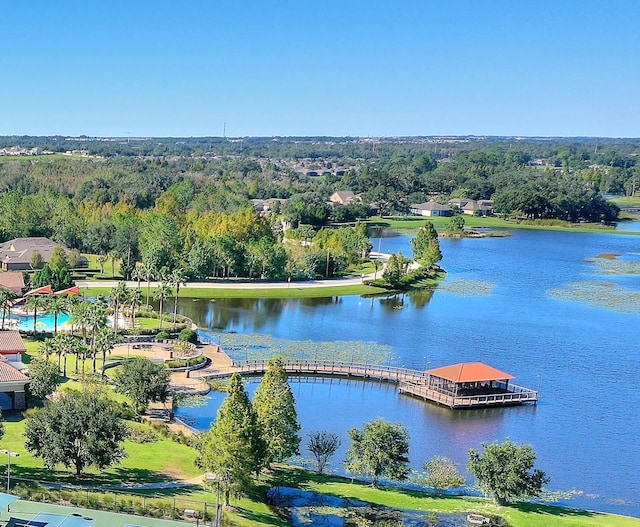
[{"x": 470, "y": 372}]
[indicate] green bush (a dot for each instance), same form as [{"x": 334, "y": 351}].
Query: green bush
[
  {"x": 142, "y": 435},
  {"x": 188, "y": 335},
  {"x": 163, "y": 335}
]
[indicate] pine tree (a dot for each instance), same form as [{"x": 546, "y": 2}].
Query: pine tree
[
  {"x": 426, "y": 248},
  {"x": 233, "y": 449},
  {"x": 276, "y": 409}
]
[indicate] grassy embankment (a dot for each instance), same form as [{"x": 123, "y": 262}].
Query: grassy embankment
[
  {"x": 149, "y": 462},
  {"x": 414, "y": 222}
]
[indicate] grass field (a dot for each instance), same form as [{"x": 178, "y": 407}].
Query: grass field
[
  {"x": 413, "y": 222},
  {"x": 288, "y": 292},
  {"x": 251, "y": 510}
]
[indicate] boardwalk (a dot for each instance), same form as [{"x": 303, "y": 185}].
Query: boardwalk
[{"x": 411, "y": 382}]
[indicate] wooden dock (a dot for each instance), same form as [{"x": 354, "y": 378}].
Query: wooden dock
[{"x": 416, "y": 383}]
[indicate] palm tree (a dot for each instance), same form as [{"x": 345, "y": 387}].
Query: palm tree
[
  {"x": 35, "y": 303},
  {"x": 160, "y": 294},
  {"x": 118, "y": 297},
  {"x": 96, "y": 320},
  {"x": 138, "y": 274},
  {"x": 6, "y": 296},
  {"x": 48, "y": 348},
  {"x": 57, "y": 305},
  {"x": 106, "y": 339},
  {"x": 80, "y": 316},
  {"x": 135, "y": 301},
  {"x": 65, "y": 344},
  {"x": 176, "y": 279},
  {"x": 148, "y": 275}
]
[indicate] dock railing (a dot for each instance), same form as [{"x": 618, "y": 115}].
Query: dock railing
[
  {"x": 514, "y": 395},
  {"x": 325, "y": 367}
]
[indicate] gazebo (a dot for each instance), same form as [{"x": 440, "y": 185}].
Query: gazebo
[
  {"x": 469, "y": 385},
  {"x": 469, "y": 378}
]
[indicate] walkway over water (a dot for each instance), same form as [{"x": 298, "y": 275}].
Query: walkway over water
[{"x": 411, "y": 382}]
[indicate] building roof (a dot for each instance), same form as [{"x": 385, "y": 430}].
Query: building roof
[
  {"x": 12, "y": 280},
  {"x": 10, "y": 374},
  {"x": 75, "y": 290},
  {"x": 11, "y": 341},
  {"x": 20, "y": 250},
  {"x": 470, "y": 372},
  {"x": 342, "y": 196},
  {"x": 430, "y": 205},
  {"x": 44, "y": 290}
]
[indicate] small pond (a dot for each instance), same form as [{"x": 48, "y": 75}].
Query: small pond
[{"x": 303, "y": 508}]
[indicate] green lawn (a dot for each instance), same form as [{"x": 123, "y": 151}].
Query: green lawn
[
  {"x": 414, "y": 222},
  {"x": 252, "y": 510},
  {"x": 287, "y": 292}
]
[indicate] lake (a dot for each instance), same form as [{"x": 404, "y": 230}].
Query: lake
[{"x": 558, "y": 310}]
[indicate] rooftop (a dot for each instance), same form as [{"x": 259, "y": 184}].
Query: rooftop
[
  {"x": 470, "y": 372},
  {"x": 11, "y": 341}
]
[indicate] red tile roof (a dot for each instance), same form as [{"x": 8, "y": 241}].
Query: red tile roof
[
  {"x": 10, "y": 374},
  {"x": 11, "y": 341},
  {"x": 470, "y": 372}
]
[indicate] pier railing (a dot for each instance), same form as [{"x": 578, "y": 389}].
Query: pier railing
[
  {"x": 347, "y": 369},
  {"x": 411, "y": 382},
  {"x": 515, "y": 395}
]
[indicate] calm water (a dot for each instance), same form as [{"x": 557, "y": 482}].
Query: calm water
[{"x": 499, "y": 304}]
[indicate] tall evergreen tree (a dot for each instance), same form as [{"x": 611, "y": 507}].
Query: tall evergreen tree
[
  {"x": 234, "y": 449},
  {"x": 276, "y": 409},
  {"x": 426, "y": 248}
]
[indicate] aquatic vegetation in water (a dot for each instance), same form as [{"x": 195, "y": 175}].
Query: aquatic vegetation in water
[
  {"x": 612, "y": 263},
  {"x": 600, "y": 294},
  {"x": 192, "y": 401},
  {"x": 257, "y": 347},
  {"x": 466, "y": 287}
]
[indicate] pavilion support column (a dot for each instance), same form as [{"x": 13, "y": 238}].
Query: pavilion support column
[{"x": 19, "y": 401}]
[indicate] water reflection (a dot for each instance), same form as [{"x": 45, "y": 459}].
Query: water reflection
[{"x": 584, "y": 430}]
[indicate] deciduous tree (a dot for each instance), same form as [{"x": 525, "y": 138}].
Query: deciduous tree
[
  {"x": 323, "y": 445},
  {"x": 80, "y": 429},
  {"x": 440, "y": 473},
  {"x": 378, "y": 450},
  {"x": 44, "y": 377},
  {"x": 143, "y": 381},
  {"x": 505, "y": 471}
]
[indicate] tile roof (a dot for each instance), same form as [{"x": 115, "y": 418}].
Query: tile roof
[
  {"x": 470, "y": 372},
  {"x": 10, "y": 374},
  {"x": 11, "y": 341},
  {"x": 13, "y": 280}
]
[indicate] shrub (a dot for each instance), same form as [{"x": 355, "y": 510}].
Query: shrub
[
  {"x": 163, "y": 335},
  {"x": 142, "y": 435},
  {"x": 188, "y": 335}
]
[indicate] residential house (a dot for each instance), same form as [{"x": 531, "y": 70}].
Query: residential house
[
  {"x": 12, "y": 346},
  {"x": 12, "y": 387},
  {"x": 431, "y": 208},
  {"x": 343, "y": 197},
  {"x": 16, "y": 254},
  {"x": 483, "y": 207}
]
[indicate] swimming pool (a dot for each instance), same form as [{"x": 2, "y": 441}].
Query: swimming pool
[{"x": 45, "y": 322}]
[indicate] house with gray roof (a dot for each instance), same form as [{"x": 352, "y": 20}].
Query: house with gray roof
[
  {"x": 431, "y": 208},
  {"x": 16, "y": 254}
]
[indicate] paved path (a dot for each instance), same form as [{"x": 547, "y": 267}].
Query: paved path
[{"x": 255, "y": 284}]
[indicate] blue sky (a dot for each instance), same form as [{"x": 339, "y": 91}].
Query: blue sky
[{"x": 325, "y": 67}]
